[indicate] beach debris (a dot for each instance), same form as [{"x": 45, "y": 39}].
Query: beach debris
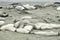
[
  {"x": 22, "y": 30},
  {"x": 58, "y": 8},
  {"x": 29, "y": 7},
  {"x": 3, "y": 14},
  {"x": 2, "y": 23},
  {"x": 9, "y": 27},
  {"x": 47, "y": 33}
]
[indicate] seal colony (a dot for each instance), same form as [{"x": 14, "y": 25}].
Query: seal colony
[{"x": 27, "y": 23}]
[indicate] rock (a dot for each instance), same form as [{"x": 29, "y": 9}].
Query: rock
[
  {"x": 19, "y": 8},
  {"x": 54, "y": 25},
  {"x": 2, "y": 23},
  {"x": 58, "y": 8},
  {"x": 22, "y": 30},
  {"x": 3, "y": 14},
  {"x": 28, "y": 27},
  {"x": 38, "y": 25},
  {"x": 47, "y": 33},
  {"x": 9, "y": 27},
  {"x": 24, "y": 23},
  {"x": 21, "y": 23},
  {"x": 29, "y": 7},
  {"x": 46, "y": 26},
  {"x": 17, "y": 24}
]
